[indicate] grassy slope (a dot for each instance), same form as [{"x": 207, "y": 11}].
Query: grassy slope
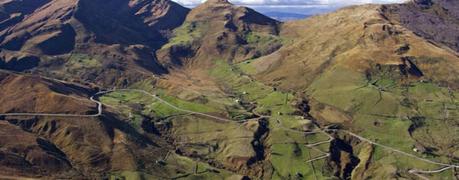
[
  {"x": 330, "y": 66},
  {"x": 392, "y": 109},
  {"x": 179, "y": 167},
  {"x": 331, "y": 70},
  {"x": 286, "y": 158},
  {"x": 187, "y": 33},
  {"x": 126, "y": 100},
  {"x": 191, "y": 133}
]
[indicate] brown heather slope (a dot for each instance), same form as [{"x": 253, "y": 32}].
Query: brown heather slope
[
  {"x": 13, "y": 11},
  {"x": 83, "y": 21},
  {"x": 76, "y": 148},
  {"x": 68, "y": 147},
  {"x": 34, "y": 153},
  {"x": 24, "y": 94},
  {"x": 116, "y": 39},
  {"x": 218, "y": 29},
  {"x": 358, "y": 38}
]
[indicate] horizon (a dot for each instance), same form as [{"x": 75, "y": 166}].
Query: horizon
[
  {"x": 305, "y": 8},
  {"x": 273, "y": 3}
]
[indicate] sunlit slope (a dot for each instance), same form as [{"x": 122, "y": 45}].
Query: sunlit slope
[
  {"x": 357, "y": 38},
  {"x": 387, "y": 84}
]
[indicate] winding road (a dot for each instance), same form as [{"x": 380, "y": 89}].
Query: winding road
[
  {"x": 171, "y": 105},
  {"x": 400, "y": 152},
  {"x": 100, "y": 107},
  {"x": 100, "y": 112},
  {"x": 411, "y": 171},
  {"x": 430, "y": 172}
]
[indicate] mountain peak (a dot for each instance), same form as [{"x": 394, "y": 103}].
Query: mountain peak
[
  {"x": 217, "y": 2},
  {"x": 223, "y": 31}
]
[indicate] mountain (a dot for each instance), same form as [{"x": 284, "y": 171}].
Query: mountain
[
  {"x": 218, "y": 29},
  {"x": 60, "y": 33},
  {"x": 378, "y": 71},
  {"x": 78, "y": 144},
  {"x": 147, "y": 89},
  {"x": 284, "y": 16},
  {"x": 69, "y": 21},
  {"x": 357, "y": 42}
]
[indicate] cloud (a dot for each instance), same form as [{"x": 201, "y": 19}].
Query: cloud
[{"x": 294, "y": 2}]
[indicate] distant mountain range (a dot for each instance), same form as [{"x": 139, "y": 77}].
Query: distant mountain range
[
  {"x": 283, "y": 16},
  {"x": 290, "y": 12}
]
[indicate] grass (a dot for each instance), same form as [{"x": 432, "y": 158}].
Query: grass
[
  {"x": 381, "y": 108},
  {"x": 191, "y": 106},
  {"x": 187, "y": 33},
  {"x": 131, "y": 175},
  {"x": 386, "y": 161},
  {"x": 287, "y": 158},
  {"x": 212, "y": 139},
  {"x": 146, "y": 84},
  {"x": 83, "y": 61},
  {"x": 261, "y": 39},
  {"x": 354, "y": 95},
  {"x": 248, "y": 89},
  {"x": 247, "y": 67},
  {"x": 129, "y": 105},
  {"x": 206, "y": 137},
  {"x": 188, "y": 166},
  {"x": 77, "y": 64},
  {"x": 136, "y": 105},
  {"x": 390, "y": 131},
  {"x": 176, "y": 166}
]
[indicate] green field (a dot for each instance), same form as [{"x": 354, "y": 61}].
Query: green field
[
  {"x": 385, "y": 109},
  {"x": 382, "y": 110},
  {"x": 176, "y": 167},
  {"x": 187, "y": 33},
  {"x": 288, "y": 153}
]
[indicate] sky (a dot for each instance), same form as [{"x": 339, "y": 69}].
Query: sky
[
  {"x": 294, "y": 2},
  {"x": 297, "y": 9}
]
